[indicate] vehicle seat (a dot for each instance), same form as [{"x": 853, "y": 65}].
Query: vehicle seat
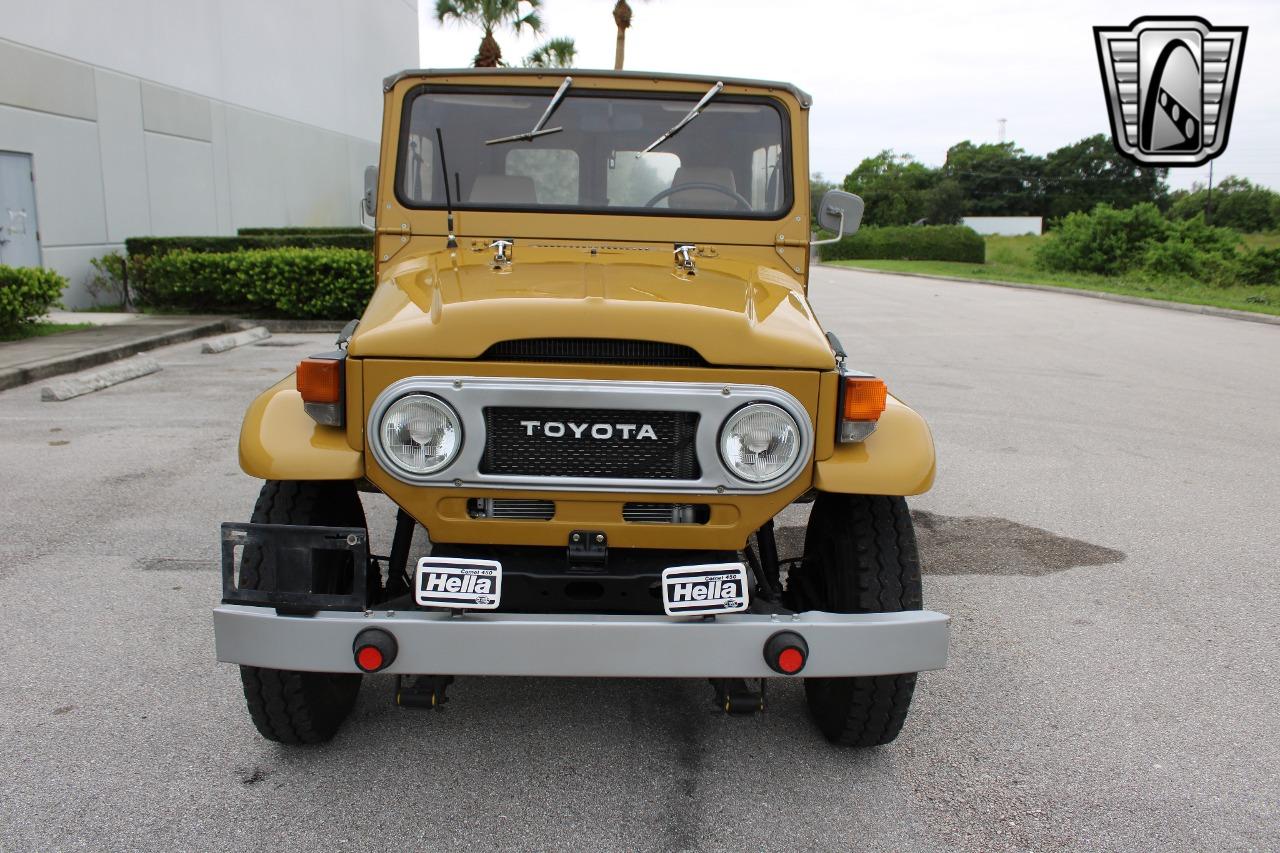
[
  {"x": 503, "y": 189},
  {"x": 701, "y": 199}
]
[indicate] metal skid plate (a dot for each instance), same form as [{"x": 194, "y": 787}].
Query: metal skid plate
[{"x": 287, "y": 577}]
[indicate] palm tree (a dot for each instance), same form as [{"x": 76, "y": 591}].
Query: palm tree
[
  {"x": 621, "y": 17},
  {"x": 490, "y": 15},
  {"x": 555, "y": 53}
]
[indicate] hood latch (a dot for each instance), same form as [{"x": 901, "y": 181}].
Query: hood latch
[
  {"x": 685, "y": 263},
  {"x": 502, "y": 253}
]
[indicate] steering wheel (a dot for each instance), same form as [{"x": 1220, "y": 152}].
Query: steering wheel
[{"x": 700, "y": 185}]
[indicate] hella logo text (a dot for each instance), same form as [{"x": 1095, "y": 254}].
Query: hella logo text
[{"x": 713, "y": 589}]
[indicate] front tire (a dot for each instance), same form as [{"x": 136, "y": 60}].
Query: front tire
[
  {"x": 859, "y": 557},
  {"x": 287, "y": 706}
]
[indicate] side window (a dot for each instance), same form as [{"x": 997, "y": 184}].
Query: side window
[
  {"x": 418, "y": 169},
  {"x": 634, "y": 180},
  {"x": 766, "y": 181},
  {"x": 554, "y": 172}
]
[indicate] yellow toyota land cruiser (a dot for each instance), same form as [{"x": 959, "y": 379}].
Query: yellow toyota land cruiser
[{"x": 590, "y": 372}]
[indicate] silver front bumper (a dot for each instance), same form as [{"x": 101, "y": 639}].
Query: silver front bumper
[{"x": 729, "y": 646}]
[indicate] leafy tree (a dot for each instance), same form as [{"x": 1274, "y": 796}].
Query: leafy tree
[
  {"x": 621, "y": 19},
  {"x": 818, "y": 186},
  {"x": 491, "y": 15},
  {"x": 944, "y": 204},
  {"x": 995, "y": 178},
  {"x": 896, "y": 188},
  {"x": 1084, "y": 174},
  {"x": 1237, "y": 203},
  {"x": 555, "y": 53}
]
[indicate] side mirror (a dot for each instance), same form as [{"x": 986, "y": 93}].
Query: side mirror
[
  {"x": 840, "y": 212},
  {"x": 369, "y": 202}
]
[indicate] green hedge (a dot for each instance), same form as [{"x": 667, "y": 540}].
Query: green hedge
[
  {"x": 27, "y": 294},
  {"x": 152, "y": 246},
  {"x": 910, "y": 243},
  {"x": 1139, "y": 241},
  {"x": 328, "y": 284},
  {"x": 267, "y": 232}
]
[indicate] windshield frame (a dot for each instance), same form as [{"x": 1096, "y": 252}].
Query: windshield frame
[{"x": 787, "y": 161}]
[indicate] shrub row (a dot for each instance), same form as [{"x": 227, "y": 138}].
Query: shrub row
[
  {"x": 152, "y": 246},
  {"x": 1139, "y": 241},
  {"x": 326, "y": 283},
  {"x": 334, "y": 229},
  {"x": 910, "y": 243},
  {"x": 27, "y": 294}
]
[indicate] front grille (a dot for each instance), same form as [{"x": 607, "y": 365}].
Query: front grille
[
  {"x": 591, "y": 443},
  {"x": 595, "y": 351},
  {"x": 638, "y": 513},
  {"x": 511, "y": 509}
]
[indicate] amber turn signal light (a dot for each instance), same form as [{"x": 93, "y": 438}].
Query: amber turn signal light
[
  {"x": 864, "y": 398},
  {"x": 320, "y": 380},
  {"x": 862, "y": 402}
]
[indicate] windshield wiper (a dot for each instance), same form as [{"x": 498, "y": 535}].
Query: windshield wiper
[
  {"x": 693, "y": 113},
  {"x": 537, "y": 128}
]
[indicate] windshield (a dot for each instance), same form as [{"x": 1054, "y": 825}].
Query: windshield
[{"x": 732, "y": 159}]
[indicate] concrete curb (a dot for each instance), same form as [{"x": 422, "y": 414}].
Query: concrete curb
[
  {"x": 13, "y": 377},
  {"x": 87, "y": 383},
  {"x": 230, "y": 342},
  {"x": 281, "y": 327},
  {"x": 1229, "y": 313}
]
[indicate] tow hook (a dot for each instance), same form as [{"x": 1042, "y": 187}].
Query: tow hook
[
  {"x": 739, "y": 697},
  {"x": 422, "y": 692}
]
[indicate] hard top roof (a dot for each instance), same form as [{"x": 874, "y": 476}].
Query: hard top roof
[{"x": 802, "y": 96}]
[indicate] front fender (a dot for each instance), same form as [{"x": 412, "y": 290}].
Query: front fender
[
  {"x": 896, "y": 459},
  {"x": 280, "y": 441}
]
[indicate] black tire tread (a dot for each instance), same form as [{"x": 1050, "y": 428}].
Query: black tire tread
[
  {"x": 299, "y": 707},
  {"x": 860, "y": 556}
]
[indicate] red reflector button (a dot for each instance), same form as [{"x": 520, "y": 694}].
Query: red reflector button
[
  {"x": 790, "y": 660},
  {"x": 369, "y": 659},
  {"x": 785, "y": 652},
  {"x": 374, "y": 649}
]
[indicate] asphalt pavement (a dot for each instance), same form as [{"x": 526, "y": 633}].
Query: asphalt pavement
[{"x": 1104, "y": 531}]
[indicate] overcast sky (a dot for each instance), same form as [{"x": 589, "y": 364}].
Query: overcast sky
[{"x": 916, "y": 77}]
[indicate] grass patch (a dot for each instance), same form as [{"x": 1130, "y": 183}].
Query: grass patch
[
  {"x": 1261, "y": 300},
  {"x": 1270, "y": 240},
  {"x": 40, "y": 330}
]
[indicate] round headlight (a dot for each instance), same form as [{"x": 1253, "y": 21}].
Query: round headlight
[
  {"x": 760, "y": 442},
  {"x": 420, "y": 433}
]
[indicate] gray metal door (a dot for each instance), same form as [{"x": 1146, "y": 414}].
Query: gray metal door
[{"x": 19, "y": 239}]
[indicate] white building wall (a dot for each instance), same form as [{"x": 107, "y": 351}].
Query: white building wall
[
  {"x": 193, "y": 116},
  {"x": 1006, "y": 226}
]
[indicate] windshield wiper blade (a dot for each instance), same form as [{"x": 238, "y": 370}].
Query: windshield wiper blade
[
  {"x": 537, "y": 128},
  {"x": 693, "y": 113}
]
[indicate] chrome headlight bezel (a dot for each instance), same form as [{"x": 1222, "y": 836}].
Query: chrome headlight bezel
[
  {"x": 797, "y": 439},
  {"x": 392, "y": 461}
]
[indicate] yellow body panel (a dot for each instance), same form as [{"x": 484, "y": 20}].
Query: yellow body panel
[
  {"x": 436, "y": 310},
  {"x": 280, "y": 441},
  {"x": 742, "y": 308},
  {"x": 896, "y": 459}
]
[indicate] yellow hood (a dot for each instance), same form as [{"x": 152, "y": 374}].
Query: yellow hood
[{"x": 452, "y": 304}]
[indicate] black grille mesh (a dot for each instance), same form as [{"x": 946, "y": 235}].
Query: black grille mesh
[
  {"x": 595, "y": 351},
  {"x": 511, "y": 449}
]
